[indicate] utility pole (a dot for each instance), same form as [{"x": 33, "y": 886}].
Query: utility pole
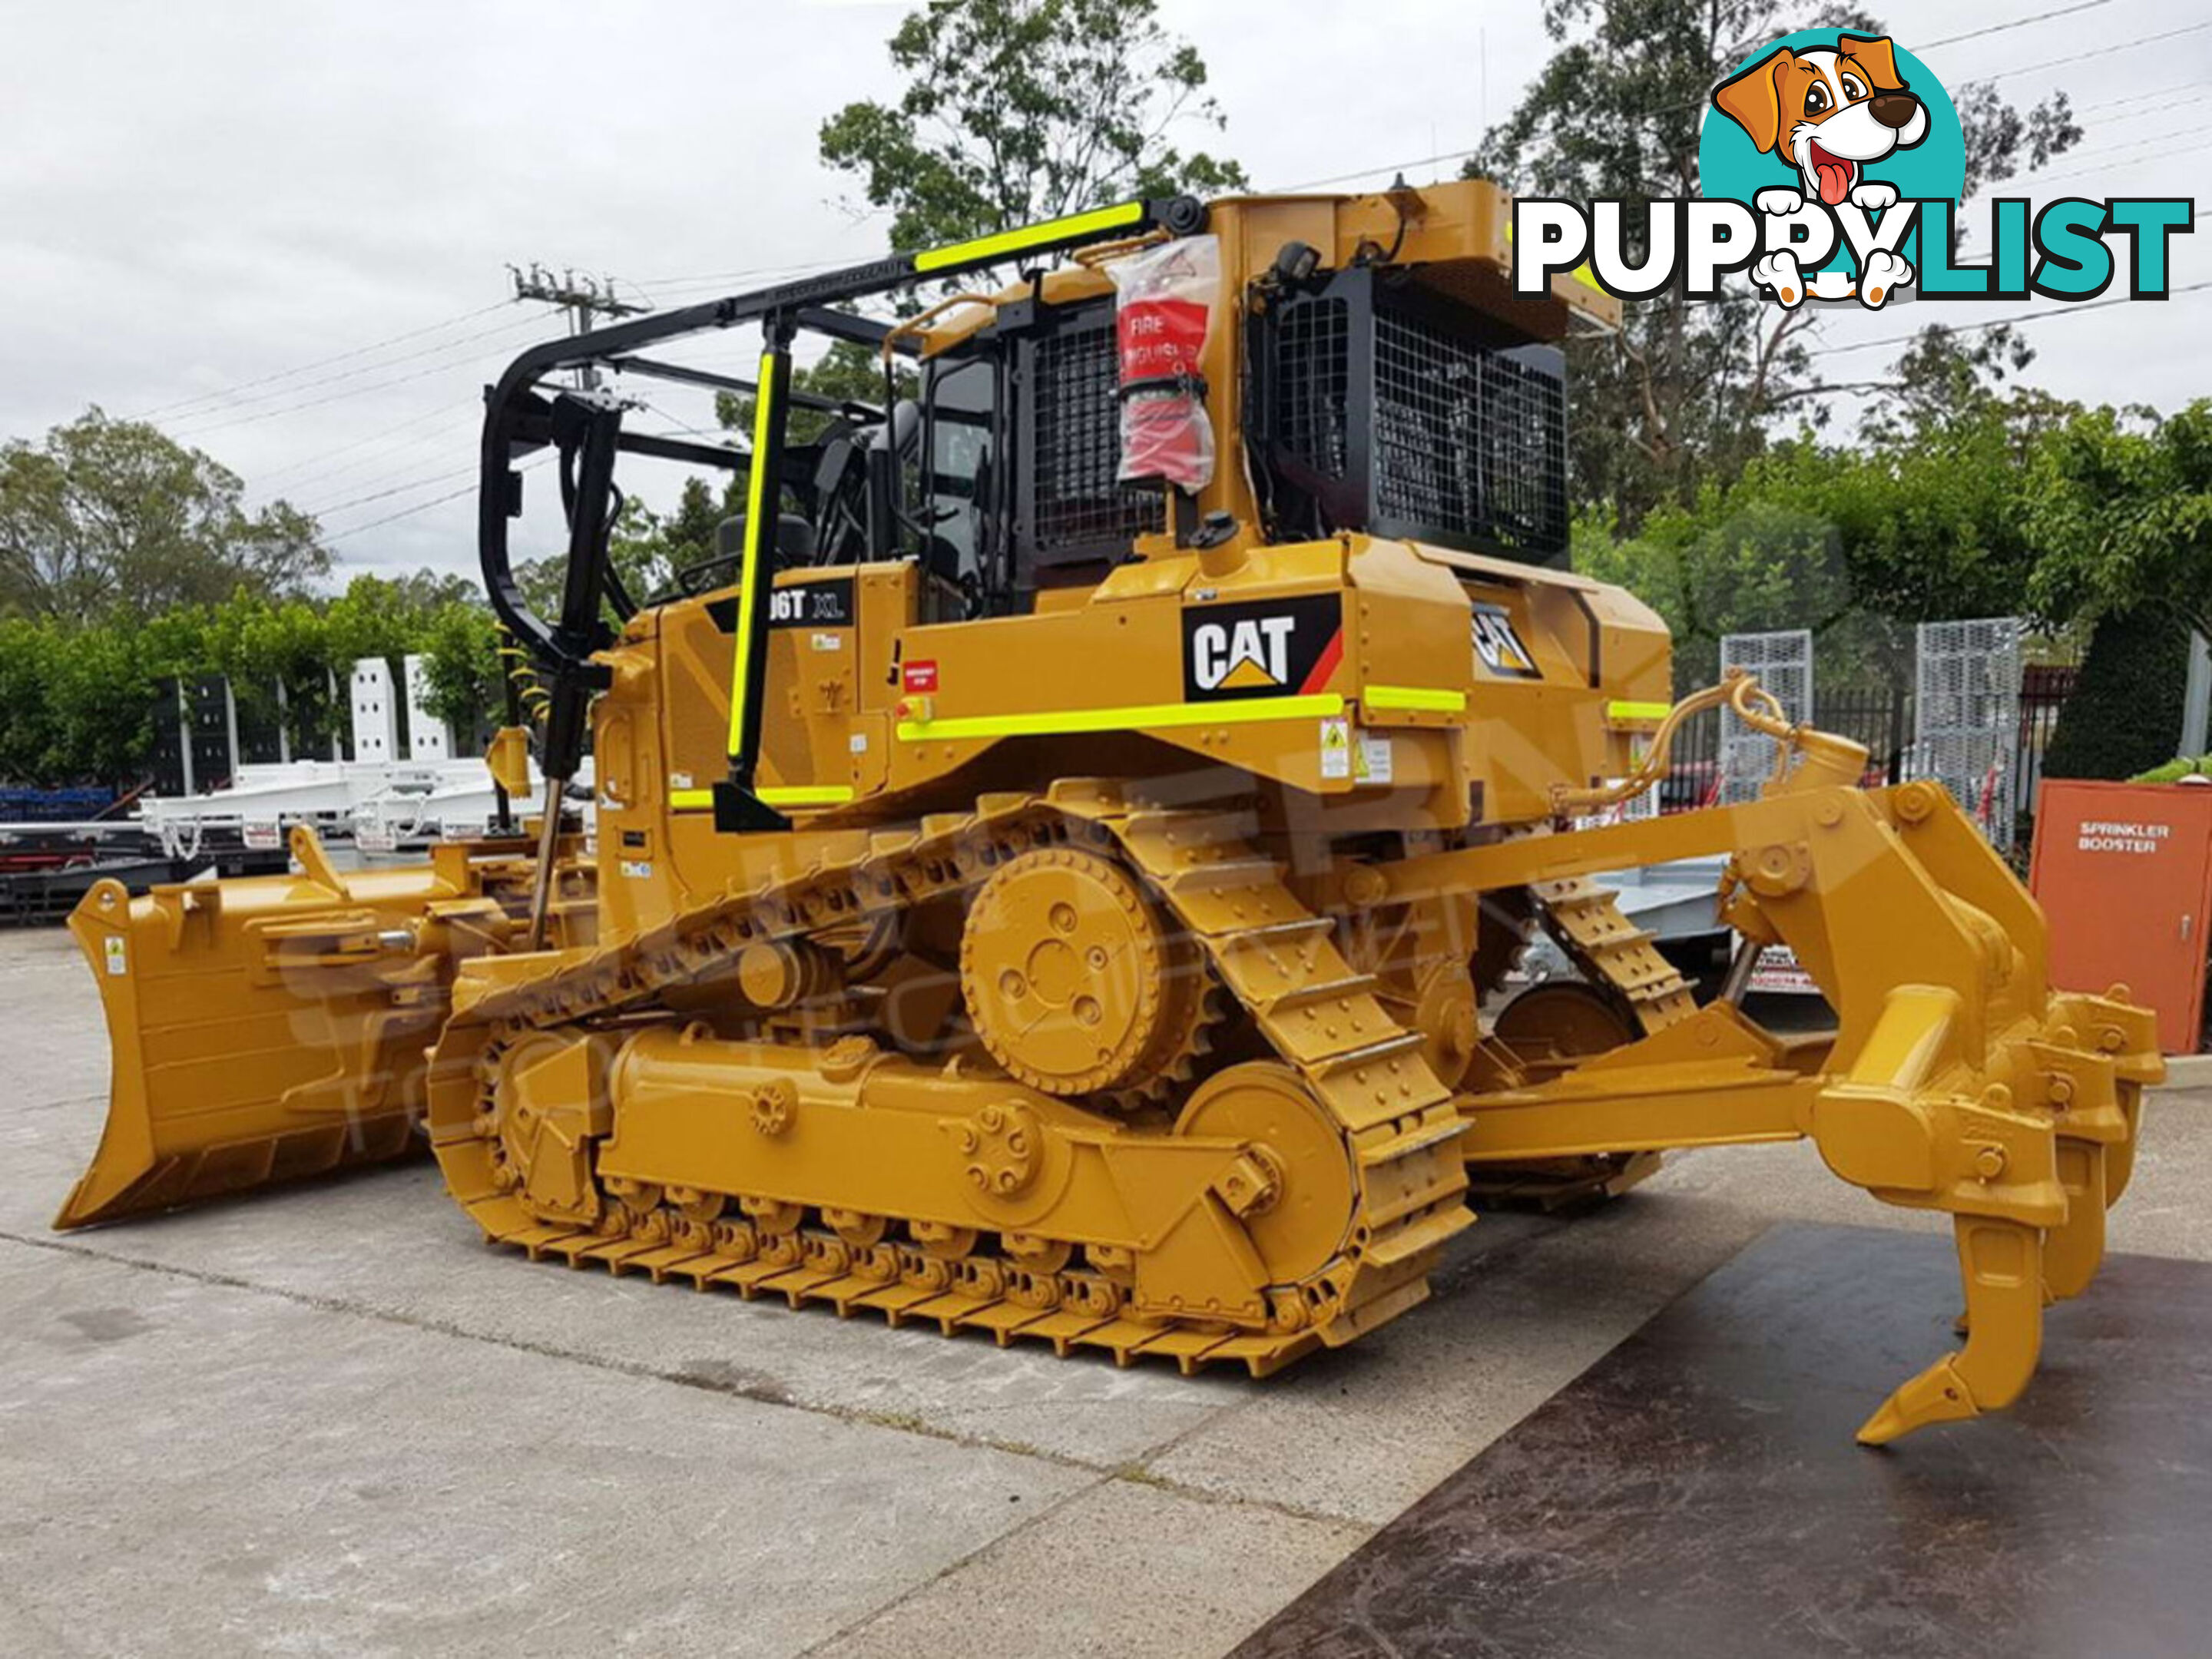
[{"x": 586, "y": 298}]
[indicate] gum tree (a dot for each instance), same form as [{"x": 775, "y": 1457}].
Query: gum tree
[{"x": 103, "y": 516}]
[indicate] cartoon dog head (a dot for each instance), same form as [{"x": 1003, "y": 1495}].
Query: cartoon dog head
[{"x": 1826, "y": 111}]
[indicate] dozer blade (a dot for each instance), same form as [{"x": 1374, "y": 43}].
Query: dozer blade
[
  {"x": 260, "y": 1030},
  {"x": 1957, "y": 1079}
]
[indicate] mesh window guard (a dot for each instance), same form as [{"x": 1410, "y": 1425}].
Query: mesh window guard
[{"x": 1080, "y": 501}]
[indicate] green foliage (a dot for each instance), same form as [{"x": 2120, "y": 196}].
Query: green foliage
[
  {"x": 1738, "y": 561},
  {"x": 440, "y": 617},
  {"x": 1686, "y": 392},
  {"x": 460, "y": 642},
  {"x": 126, "y": 557},
  {"x": 1924, "y": 520},
  {"x": 260, "y": 645},
  {"x": 104, "y": 517},
  {"x": 2125, "y": 713},
  {"x": 1016, "y": 111},
  {"x": 685, "y": 536},
  {"x": 29, "y": 720},
  {"x": 76, "y": 698},
  {"x": 2175, "y": 770},
  {"x": 100, "y": 688},
  {"x": 644, "y": 548},
  {"x": 2120, "y": 508},
  {"x": 847, "y": 372}
]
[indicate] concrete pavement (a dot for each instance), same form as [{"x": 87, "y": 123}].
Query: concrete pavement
[{"x": 328, "y": 1420}]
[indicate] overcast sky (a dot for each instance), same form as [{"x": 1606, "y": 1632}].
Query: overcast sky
[{"x": 197, "y": 197}]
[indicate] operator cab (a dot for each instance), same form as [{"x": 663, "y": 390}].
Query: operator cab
[{"x": 1369, "y": 403}]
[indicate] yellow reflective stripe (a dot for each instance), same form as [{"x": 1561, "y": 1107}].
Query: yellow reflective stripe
[
  {"x": 1123, "y": 719},
  {"x": 1427, "y": 698},
  {"x": 1029, "y": 236},
  {"x": 750, "y": 579},
  {"x": 809, "y": 794},
  {"x": 1638, "y": 711},
  {"x": 798, "y": 794}
]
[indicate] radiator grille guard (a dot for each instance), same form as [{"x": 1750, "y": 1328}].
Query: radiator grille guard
[{"x": 1396, "y": 411}]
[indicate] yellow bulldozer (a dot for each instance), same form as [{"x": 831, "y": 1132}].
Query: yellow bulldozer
[{"x": 1060, "y": 870}]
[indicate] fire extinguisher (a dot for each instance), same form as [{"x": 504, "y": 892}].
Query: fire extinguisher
[{"x": 1164, "y": 300}]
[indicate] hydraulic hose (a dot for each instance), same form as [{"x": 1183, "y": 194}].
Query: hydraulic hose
[{"x": 1738, "y": 691}]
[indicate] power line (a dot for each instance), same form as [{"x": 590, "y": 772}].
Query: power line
[
  {"x": 421, "y": 506},
  {"x": 2016, "y": 23},
  {"x": 228, "y": 395},
  {"x": 585, "y": 299},
  {"x": 332, "y": 398},
  {"x": 302, "y": 368},
  {"x": 582, "y": 305},
  {"x": 2099, "y": 51},
  {"x": 386, "y": 494},
  {"x": 714, "y": 278},
  {"x": 1697, "y": 103},
  {"x": 450, "y": 421},
  {"x": 448, "y": 352},
  {"x": 2132, "y": 158},
  {"x": 2137, "y": 115},
  {"x": 319, "y": 456},
  {"x": 2000, "y": 322},
  {"x": 404, "y": 513},
  {"x": 447, "y": 360},
  {"x": 442, "y": 435},
  {"x": 2139, "y": 97},
  {"x": 2119, "y": 153},
  {"x": 444, "y": 367}
]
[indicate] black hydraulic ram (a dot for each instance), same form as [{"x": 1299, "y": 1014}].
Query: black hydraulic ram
[{"x": 522, "y": 414}]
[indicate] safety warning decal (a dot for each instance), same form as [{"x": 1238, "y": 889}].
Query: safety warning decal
[
  {"x": 1336, "y": 747},
  {"x": 1372, "y": 764}
]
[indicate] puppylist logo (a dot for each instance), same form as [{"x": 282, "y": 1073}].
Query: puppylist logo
[{"x": 1833, "y": 164}]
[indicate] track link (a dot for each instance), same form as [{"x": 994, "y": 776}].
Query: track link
[
  {"x": 1398, "y": 1121},
  {"x": 1587, "y": 921},
  {"x": 977, "y": 1291}
]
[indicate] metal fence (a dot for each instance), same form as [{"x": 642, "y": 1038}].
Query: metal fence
[
  {"x": 2043, "y": 693},
  {"x": 1882, "y": 718},
  {"x": 1967, "y": 717}
]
